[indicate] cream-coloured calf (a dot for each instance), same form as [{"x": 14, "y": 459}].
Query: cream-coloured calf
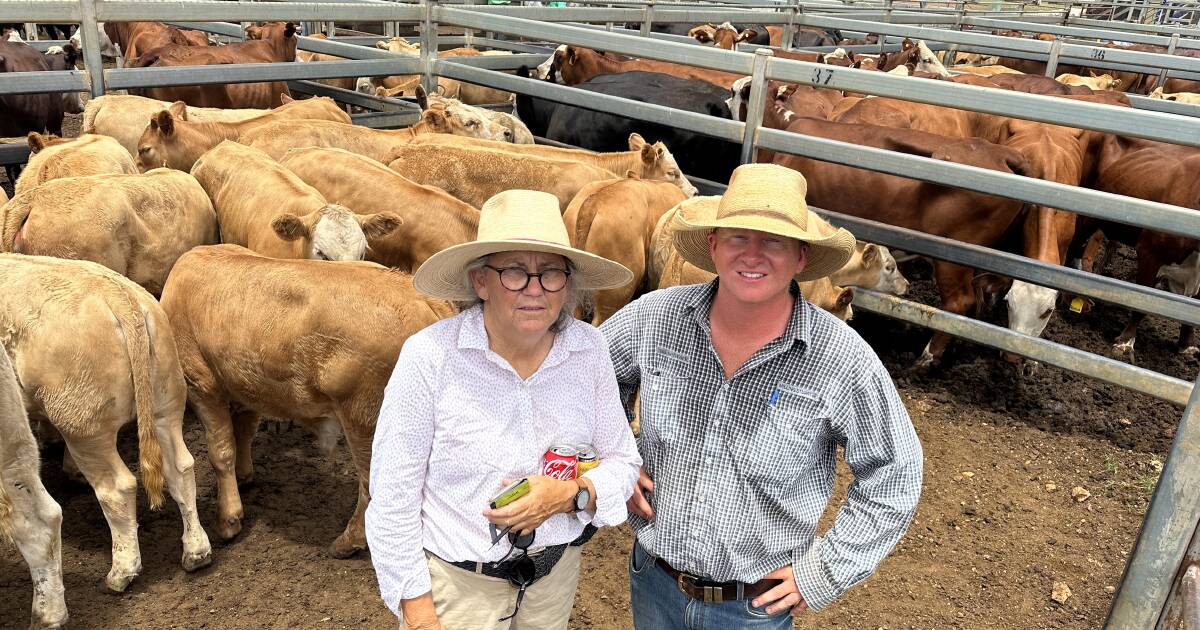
[
  {"x": 263, "y": 206},
  {"x": 136, "y": 225},
  {"x": 1182, "y": 97},
  {"x": 474, "y": 175},
  {"x": 51, "y": 157},
  {"x": 520, "y": 133},
  {"x": 29, "y": 516},
  {"x": 1095, "y": 82},
  {"x": 93, "y": 351},
  {"x": 433, "y": 218},
  {"x": 124, "y": 117}
]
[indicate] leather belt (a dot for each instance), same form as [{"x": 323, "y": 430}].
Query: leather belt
[{"x": 711, "y": 592}]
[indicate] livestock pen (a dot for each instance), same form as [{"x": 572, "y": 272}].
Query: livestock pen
[{"x": 1174, "y": 511}]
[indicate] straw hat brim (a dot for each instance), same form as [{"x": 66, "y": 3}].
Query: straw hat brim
[
  {"x": 441, "y": 275},
  {"x": 826, "y": 253}
]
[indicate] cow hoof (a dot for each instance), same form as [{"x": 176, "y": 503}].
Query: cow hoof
[
  {"x": 41, "y": 624},
  {"x": 1028, "y": 368},
  {"x": 341, "y": 549},
  {"x": 229, "y": 528},
  {"x": 926, "y": 362},
  {"x": 193, "y": 561},
  {"x": 1124, "y": 350},
  {"x": 118, "y": 583}
]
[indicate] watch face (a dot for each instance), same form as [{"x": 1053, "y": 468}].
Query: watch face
[{"x": 581, "y": 499}]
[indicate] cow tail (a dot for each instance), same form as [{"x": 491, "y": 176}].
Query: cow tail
[
  {"x": 90, "y": 111},
  {"x": 13, "y": 216},
  {"x": 137, "y": 345},
  {"x": 583, "y": 220}
]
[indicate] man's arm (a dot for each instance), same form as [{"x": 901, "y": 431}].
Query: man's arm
[
  {"x": 621, "y": 333},
  {"x": 885, "y": 455}
]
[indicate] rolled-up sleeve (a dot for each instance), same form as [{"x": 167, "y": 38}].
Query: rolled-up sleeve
[
  {"x": 617, "y": 473},
  {"x": 884, "y": 453},
  {"x": 399, "y": 464}
]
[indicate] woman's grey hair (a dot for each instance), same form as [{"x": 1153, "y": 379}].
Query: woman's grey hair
[{"x": 575, "y": 299}]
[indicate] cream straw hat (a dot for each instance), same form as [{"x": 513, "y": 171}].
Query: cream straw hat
[
  {"x": 516, "y": 220},
  {"x": 767, "y": 198}
]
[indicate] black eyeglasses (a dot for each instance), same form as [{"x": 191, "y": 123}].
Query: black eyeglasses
[
  {"x": 523, "y": 570},
  {"x": 516, "y": 279}
]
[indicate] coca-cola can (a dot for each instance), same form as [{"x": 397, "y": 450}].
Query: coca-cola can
[
  {"x": 588, "y": 457},
  {"x": 561, "y": 461}
]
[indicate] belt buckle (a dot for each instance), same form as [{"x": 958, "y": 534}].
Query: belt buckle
[{"x": 709, "y": 594}]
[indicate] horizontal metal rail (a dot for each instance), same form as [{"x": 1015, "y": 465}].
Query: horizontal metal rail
[
  {"x": 48, "y": 81},
  {"x": 208, "y": 11},
  {"x": 368, "y": 101},
  {"x": 1148, "y": 382}
]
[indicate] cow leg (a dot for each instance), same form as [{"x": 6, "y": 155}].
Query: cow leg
[
  {"x": 178, "y": 469},
  {"x": 1187, "y": 341},
  {"x": 71, "y": 469},
  {"x": 116, "y": 489},
  {"x": 359, "y": 434},
  {"x": 245, "y": 426},
  {"x": 958, "y": 296},
  {"x": 36, "y": 526},
  {"x": 218, "y": 430},
  {"x": 1123, "y": 346}
]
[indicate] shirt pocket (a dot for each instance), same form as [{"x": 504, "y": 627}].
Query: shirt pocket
[
  {"x": 663, "y": 396},
  {"x": 789, "y": 440}
]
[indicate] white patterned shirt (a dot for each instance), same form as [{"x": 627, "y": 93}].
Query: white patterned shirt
[
  {"x": 456, "y": 419},
  {"x": 743, "y": 467}
]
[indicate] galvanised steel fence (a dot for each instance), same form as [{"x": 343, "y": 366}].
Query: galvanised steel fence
[{"x": 1175, "y": 507}]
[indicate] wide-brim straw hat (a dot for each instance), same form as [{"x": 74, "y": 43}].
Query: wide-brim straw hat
[
  {"x": 767, "y": 198},
  {"x": 516, "y": 220}
]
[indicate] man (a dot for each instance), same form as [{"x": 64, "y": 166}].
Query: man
[{"x": 746, "y": 393}]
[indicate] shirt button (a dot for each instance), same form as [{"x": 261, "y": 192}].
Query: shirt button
[
  {"x": 700, "y": 500},
  {"x": 708, "y": 460}
]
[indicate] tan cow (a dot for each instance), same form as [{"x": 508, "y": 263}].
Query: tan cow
[
  {"x": 51, "y": 157},
  {"x": 474, "y": 175},
  {"x": 871, "y": 267},
  {"x": 29, "y": 516},
  {"x": 985, "y": 71},
  {"x": 615, "y": 219},
  {"x": 406, "y": 84},
  {"x": 1182, "y": 97},
  {"x": 295, "y": 352},
  {"x": 263, "y": 206},
  {"x": 171, "y": 140},
  {"x": 136, "y": 225},
  {"x": 306, "y": 56},
  {"x": 124, "y": 117},
  {"x": 277, "y": 138},
  {"x": 520, "y": 133},
  {"x": 433, "y": 218},
  {"x": 1094, "y": 82},
  {"x": 93, "y": 351}
]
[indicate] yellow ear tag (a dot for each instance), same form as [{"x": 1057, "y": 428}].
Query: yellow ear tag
[{"x": 1077, "y": 305}]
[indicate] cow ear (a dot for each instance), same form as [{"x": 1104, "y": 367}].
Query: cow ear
[
  {"x": 178, "y": 110},
  {"x": 36, "y": 142},
  {"x": 379, "y": 225},
  {"x": 422, "y": 97},
  {"x": 630, "y": 174},
  {"x": 285, "y": 98},
  {"x": 289, "y": 30},
  {"x": 253, "y": 32},
  {"x": 636, "y": 141},
  {"x": 166, "y": 123},
  {"x": 436, "y": 119},
  {"x": 845, "y": 298},
  {"x": 649, "y": 155},
  {"x": 747, "y": 35},
  {"x": 870, "y": 252},
  {"x": 571, "y": 54},
  {"x": 381, "y": 45},
  {"x": 289, "y": 227}
]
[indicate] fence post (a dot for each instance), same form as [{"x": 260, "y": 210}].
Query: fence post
[
  {"x": 1052, "y": 62},
  {"x": 789, "y": 29},
  {"x": 1168, "y": 528},
  {"x": 89, "y": 38},
  {"x": 648, "y": 18},
  {"x": 429, "y": 45},
  {"x": 1162, "y": 75},
  {"x": 754, "y": 109}
]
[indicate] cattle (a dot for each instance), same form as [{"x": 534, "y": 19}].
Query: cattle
[
  {"x": 519, "y": 133},
  {"x": 871, "y": 267},
  {"x": 294, "y": 354},
  {"x": 279, "y": 46},
  {"x": 475, "y": 174},
  {"x": 615, "y": 219},
  {"x": 642, "y": 160},
  {"x": 433, "y": 219},
  {"x": 724, "y": 35},
  {"x": 345, "y": 83},
  {"x": 29, "y": 516},
  {"x": 263, "y": 206},
  {"x": 93, "y": 351},
  {"x": 406, "y": 85},
  {"x": 279, "y": 137},
  {"x": 23, "y": 113},
  {"x": 984, "y": 71},
  {"x": 698, "y": 155},
  {"x": 806, "y": 37},
  {"x": 1028, "y": 83},
  {"x": 137, "y": 38},
  {"x": 917, "y": 56},
  {"x": 64, "y": 58},
  {"x": 51, "y": 157},
  {"x": 172, "y": 141},
  {"x": 576, "y": 65},
  {"x": 136, "y": 225},
  {"x": 962, "y": 215},
  {"x": 108, "y": 48},
  {"x": 124, "y": 117},
  {"x": 1182, "y": 97},
  {"x": 1095, "y": 82}
]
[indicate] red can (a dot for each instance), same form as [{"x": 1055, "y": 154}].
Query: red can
[{"x": 561, "y": 462}]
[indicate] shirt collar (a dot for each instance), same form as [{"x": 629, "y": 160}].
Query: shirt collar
[
  {"x": 798, "y": 326},
  {"x": 473, "y": 335}
]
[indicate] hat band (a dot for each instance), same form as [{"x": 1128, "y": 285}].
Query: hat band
[{"x": 760, "y": 213}]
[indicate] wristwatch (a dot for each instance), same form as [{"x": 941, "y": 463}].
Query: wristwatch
[{"x": 582, "y": 497}]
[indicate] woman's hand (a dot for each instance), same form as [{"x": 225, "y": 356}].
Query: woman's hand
[
  {"x": 419, "y": 613},
  {"x": 547, "y": 496}
]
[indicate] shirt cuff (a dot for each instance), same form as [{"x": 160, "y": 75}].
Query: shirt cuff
[
  {"x": 610, "y": 503},
  {"x": 812, "y": 579}
]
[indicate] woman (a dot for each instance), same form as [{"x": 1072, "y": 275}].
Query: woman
[{"x": 474, "y": 403}]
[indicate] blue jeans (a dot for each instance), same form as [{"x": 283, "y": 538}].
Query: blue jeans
[{"x": 658, "y": 603}]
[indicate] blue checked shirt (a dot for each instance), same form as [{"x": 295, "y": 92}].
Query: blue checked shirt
[{"x": 743, "y": 468}]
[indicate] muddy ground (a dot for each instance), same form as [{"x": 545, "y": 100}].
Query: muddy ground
[{"x": 996, "y": 528}]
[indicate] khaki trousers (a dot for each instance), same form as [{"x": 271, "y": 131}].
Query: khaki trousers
[{"x": 469, "y": 601}]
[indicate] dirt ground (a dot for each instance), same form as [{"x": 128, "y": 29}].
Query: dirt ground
[{"x": 996, "y": 528}]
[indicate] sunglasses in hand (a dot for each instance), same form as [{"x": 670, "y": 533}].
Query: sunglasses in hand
[{"x": 522, "y": 569}]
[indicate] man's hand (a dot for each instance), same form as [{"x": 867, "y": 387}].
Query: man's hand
[
  {"x": 547, "y": 497},
  {"x": 783, "y": 596},
  {"x": 637, "y": 502}
]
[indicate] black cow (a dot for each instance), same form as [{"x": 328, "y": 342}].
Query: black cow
[
  {"x": 811, "y": 37},
  {"x": 22, "y": 113},
  {"x": 697, "y": 154}
]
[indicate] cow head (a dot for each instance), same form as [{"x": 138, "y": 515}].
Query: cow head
[
  {"x": 659, "y": 164},
  {"x": 544, "y": 69},
  {"x": 1183, "y": 278},
  {"x": 334, "y": 232},
  {"x": 37, "y": 142},
  {"x": 159, "y": 146},
  {"x": 704, "y": 33},
  {"x": 458, "y": 119},
  {"x": 1030, "y": 307},
  {"x": 890, "y": 278}
]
